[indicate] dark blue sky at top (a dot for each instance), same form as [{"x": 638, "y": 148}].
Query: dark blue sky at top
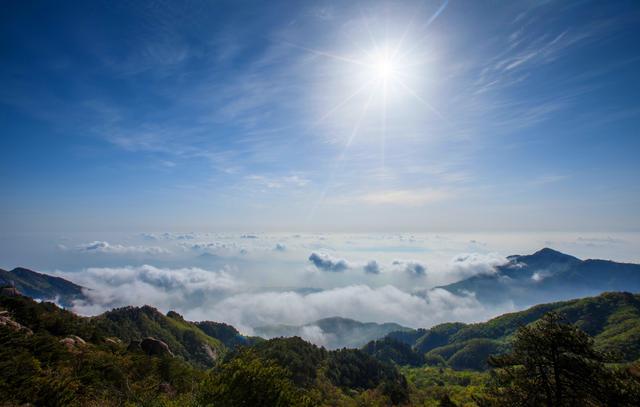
[{"x": 237, "y": 115}]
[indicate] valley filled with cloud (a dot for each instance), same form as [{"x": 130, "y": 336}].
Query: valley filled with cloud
[{"x": 251, "y": 280}]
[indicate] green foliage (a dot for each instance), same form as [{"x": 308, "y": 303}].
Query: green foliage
[
  {"x": 555, "y": 364},
  {"x": 445, "y": 401},
  {"x": 50, "y": 367},
  {"x": 474, "y": 354},
  {"x": 612, "y": 319},
  {"x": 429, "y": 385},
  {"x": 226, "y": 334},
  {"x": 433, "y": 359},
  {"x": 38, "y": 369},
  {"x": 43, "y": 286},
  {"x": 351, "y": 368},
  {"x": 184, "y": 338},
  {"x": 45, "y": 316},
  {"x": 46, "y": 365},
  {"x": 392, "y": 351},
  {"x": 248, "y": 380},
  {"x": 299, "y": 357},
  {"x": 437, "y": 336}
]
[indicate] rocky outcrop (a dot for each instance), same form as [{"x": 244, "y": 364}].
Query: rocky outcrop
[
  {"x": 113, "y": 341},
  {"x": 213, "y": 355},
  {"x": 9, "y": 291},
  {"x": 6, "y": 321},
  {"x": 73, "y": 343},
  {"x": 155, "y": 347}
]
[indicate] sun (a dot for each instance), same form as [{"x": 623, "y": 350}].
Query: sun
[{"x": 382, "y": 65}]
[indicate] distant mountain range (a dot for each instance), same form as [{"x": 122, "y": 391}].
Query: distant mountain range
[
  {"x": 542, "y": 277},
  {"x": 42, "y": 286},
  {"x": 611, "y": 319},
  {"x": 548, "y": 275},
  {"x": 333, "y": 332}
]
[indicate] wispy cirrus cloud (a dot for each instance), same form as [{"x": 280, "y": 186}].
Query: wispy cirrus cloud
[
  {"x": 272, "y": 182},
  {"x": 395, "y": 197}
]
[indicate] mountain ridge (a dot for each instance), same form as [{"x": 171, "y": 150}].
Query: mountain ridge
[
  {"x": 612, "y": 319},
  {"x": 42, "y": 286},
  {"x": 333, "y": 332},
  {"x": 546, "y": 276}
]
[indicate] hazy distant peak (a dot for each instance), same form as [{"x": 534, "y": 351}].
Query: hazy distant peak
[
  {"x": 545, "y": 255},
  {"x": 553, "y": 254}
]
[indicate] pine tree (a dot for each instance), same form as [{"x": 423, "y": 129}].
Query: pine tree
[{"x": 555, "y": 364}]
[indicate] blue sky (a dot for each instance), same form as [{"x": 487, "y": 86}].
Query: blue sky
[{"x": 324, "y": 116}]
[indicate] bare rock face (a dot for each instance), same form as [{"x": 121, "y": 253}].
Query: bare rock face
[
  {"x": 5, "y": 320},
  {"x": 113, "y": 341},
  {"x": 9, "y": 291},
  {"x": 73, "y": 343},
  {"x": 79, "y": 340},
  {"x": 213, "y": 355},
  {"x": 155, "y": 347}
]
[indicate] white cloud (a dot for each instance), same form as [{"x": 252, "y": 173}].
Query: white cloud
[
  {"x": 315, "y": 335},
  {"x": 360, "y": 302},
  {"x": 106, "y": 247},
  {"x": 372, "y": 267},
  {"x": 538, "y": 276},
  {"x": 398, "y": 197},
  {"x": 278, "y": 182},
  {"x": 325, "y": 262},
  {"x": 411, "y": 267},
  {"x": 180, "y": 289},
  {"x": 178, "y": 236},
  {"x": 470, "y": 264},
  {"x": 207, "y": 246}
]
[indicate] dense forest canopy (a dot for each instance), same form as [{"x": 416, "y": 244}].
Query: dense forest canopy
[{"x": 139, "y": 356}]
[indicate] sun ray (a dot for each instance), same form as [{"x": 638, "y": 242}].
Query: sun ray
[
  {"x": 406, "y": 31},
  {"x": 340, "y": 159},
  {"x": 419, "y": 42},
  {"x": 366, "y": 23},
  {"x": 384, "y": 124},
  {"x": 325, "y": 54},
  {"x": 342, "y": 103},
  {"x": 419, "y": 98},
  {"x": 358, "y": 122}
]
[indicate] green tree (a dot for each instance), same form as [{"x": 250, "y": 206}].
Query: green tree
[
  {"x": 555, "y": 364},
  {"x": 445, "y": 401},
  {"x": 248, "y": 380}
]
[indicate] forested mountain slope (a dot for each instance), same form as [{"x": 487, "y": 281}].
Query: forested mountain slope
[{"x": 611, "y": 319}]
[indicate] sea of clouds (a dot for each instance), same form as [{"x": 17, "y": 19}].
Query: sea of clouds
[{"x": 252, "y": 280}]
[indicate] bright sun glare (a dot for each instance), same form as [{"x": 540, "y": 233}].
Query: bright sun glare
[{"x": 383, "y": 66}]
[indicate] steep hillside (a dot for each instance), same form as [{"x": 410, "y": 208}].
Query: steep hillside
[
  {"x": 612, "y": 319},
  {"x": 42, "y": 286},
  {"x": 184, "y": 338},
  {"x": 50, "y": 356},
  {"x": 391, "y": 350},
  {"x": 226, "y": 334}
]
